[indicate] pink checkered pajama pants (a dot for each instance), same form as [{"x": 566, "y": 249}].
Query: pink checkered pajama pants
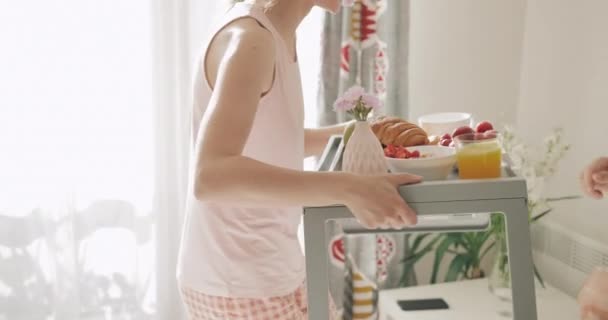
[{"x": 293, "y": 306}]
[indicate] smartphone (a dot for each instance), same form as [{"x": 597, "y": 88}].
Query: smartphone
[{"x": 423, "y": 304}]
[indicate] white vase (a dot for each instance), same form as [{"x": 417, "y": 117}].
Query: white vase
[{"x": 363, "y": 153}]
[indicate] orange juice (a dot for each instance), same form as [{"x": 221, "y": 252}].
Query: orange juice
[{"x": 479, "y": 160}]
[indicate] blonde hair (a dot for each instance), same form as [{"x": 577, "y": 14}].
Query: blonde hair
[{"x": 268, "y": 5}]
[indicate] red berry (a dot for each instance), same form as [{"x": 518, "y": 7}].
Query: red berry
[
  {"x": 462, "y": 130},
  {"x": 415, "y": 154},
  {"x": 446, "y": 136},
  {"x": 484, "y": 126},
  {"x": 445, "y": 142},
  {"x": 400, "y": 154},
  {"x": 476, "y": 137},
  {"x": 389, "y": 151},
  {"x": 491, "y": 134},
  {"x": 407, "y": 152}
]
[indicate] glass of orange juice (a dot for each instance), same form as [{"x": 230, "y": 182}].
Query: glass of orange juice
[{"x": 479, "y": 156}]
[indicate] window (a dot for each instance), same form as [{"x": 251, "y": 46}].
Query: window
[{"x": 309, "y": 50}]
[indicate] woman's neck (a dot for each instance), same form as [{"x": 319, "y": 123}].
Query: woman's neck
[{"x": 286, "y": 15}]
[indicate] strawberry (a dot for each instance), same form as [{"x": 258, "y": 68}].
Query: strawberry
[
  {"x": 408, "y": 154},
  {"x": 484, "y": 126},
  {"x": 491, "y": 134},
  {"x": 401, "y": 154},
  {"x": 462, "y": 130},
  {"x": 389, "y": 151}
]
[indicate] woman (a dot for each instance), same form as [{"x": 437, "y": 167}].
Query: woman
[{"x": 240, "y": 257}]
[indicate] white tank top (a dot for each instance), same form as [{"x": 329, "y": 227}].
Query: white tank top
[{"x": 234, "y": 251}]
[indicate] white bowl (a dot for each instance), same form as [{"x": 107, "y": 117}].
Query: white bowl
[
  {"x": 437, "y": 166},
  {"x": 438, "y": 124}
]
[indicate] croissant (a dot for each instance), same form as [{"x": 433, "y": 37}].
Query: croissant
[{"x": 398, "y": 132}]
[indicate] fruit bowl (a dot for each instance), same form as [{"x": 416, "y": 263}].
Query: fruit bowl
[
  {"x": 440, "y": 123},
  {"x": 435, "y": 163}
]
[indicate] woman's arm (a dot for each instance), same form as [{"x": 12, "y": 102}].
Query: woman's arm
[
  {"x": 316, "y": 139},
  {"x": 223, "y": 174}
]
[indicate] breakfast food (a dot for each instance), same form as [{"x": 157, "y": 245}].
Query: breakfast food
[
  {"x": 483, "y": 130},
  {"x": 484, "y": 126},
  {"x": 461, "y": 131},
  {"x": 445, "y": 142},
  {"x": 434, "y": 140},
  {"x": 491, "y": 134},
  {"x": 400, "y": 152},
  {"x": 398, "y": 132}
]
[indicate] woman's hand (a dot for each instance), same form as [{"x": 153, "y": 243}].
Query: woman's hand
[
  {"x": 376, "y": 202},
  {"x": 594, "y": 178}
]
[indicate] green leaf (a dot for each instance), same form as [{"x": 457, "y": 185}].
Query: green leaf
[
  {"x": 456, "y": 267},
  {"x": 443, "y": 246},
  {"x": 468, "y": 241},
  {"x": 410, "y": 261},
  {"x": 483, "y": 254},
  {"x": 540, "y": 215},
  {"x": 418, "y": 240},
  {"x": 563, "y": 198},
  {"x": 419, "y": 254},
  {"x": 540, "y": 279},
  {"x": 413, "y": 257},
  {"x": 480, "y": 240}
]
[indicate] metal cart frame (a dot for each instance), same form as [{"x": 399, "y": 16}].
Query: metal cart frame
[{"x": 454, "y": 198}]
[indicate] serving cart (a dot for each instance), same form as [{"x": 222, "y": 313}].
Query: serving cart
[{"x": 452, "y": 205}]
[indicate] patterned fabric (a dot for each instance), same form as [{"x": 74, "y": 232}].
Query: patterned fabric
[
  {"x": 364, "y": 35},
  {"x": 361, "y": 302},
  {"x": 366, "y": 44},
  {"x": 290, "y": 307}
]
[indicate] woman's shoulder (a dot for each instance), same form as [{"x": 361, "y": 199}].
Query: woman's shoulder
[
  {"x": 246, "y": 32},
  {"x": 245, "y": 44}
]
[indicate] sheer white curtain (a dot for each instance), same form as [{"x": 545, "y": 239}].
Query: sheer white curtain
[
  {"x": 92, "y": 143},
  {"x": 94, "y": 137}
]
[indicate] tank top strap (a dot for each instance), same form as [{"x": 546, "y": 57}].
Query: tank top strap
[{"x": 257, "y": 12}]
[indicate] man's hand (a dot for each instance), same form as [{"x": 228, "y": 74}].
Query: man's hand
[
  {"x": 592, "y": 297},
  {"x": 594, "y": 179}
]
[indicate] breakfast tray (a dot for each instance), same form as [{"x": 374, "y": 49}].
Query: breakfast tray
[{"x": 450, "y": 205}]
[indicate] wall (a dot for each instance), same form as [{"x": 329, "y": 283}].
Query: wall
[
  {"x": 565, "y": 83},
  {"x": 538, "y": 64},
  {"x": 466, "y": 56}
]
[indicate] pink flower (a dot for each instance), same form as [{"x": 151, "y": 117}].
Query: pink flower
[
  {"x": 371, "y": 101},
  {"x": 343, "y": 104},
  {"x": 354, "y": 93},
  {"x": 348, "y": 3}
]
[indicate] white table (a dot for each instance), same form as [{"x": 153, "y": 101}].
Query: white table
[{"x": 472, "y": 300}]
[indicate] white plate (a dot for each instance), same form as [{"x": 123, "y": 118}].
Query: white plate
[{"x": 437, "y": 167}]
